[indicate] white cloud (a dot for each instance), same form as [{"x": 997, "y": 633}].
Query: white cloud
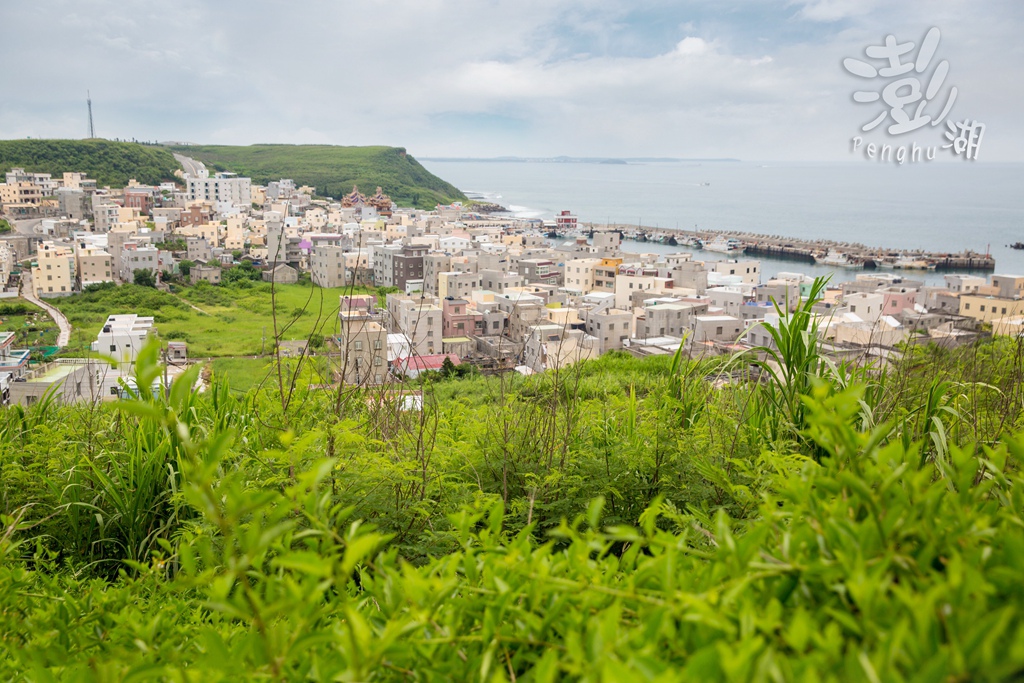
[{"x": 534, "y": 77}]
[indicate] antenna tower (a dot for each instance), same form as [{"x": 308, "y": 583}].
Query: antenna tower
[{"x": 88, "y": 100}]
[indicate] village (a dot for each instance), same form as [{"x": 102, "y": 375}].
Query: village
[{"x": 426, "y": 289}]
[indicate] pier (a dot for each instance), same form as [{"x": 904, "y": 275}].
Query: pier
[{"x": 858, "y": 256}]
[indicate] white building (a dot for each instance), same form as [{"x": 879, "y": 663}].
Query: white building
[
  {"x": 225, "y": 190},
  {"x": 123, "y": 337}
]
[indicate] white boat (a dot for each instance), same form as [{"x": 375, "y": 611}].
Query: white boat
[
  {"x": 725, "y": 246},
  {"x": 907, "y": 263},
  {"x": 835, "y": 258}
]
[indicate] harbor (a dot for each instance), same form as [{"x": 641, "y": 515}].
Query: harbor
[{"x": 851, "y": 255}]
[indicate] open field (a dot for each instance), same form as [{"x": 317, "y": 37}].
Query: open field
[{"x": 233, "y": 320}]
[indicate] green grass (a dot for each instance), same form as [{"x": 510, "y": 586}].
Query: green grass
[
  {"x": 34, "y": 328},
  {"x": 333, "y": 170},
  {"x": 232, "y": 321},
  {"x": 110, "y": 163},
  {"x": 242, "y": 374}
]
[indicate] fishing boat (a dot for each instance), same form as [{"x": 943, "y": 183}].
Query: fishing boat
[
  {"x": 835, "y": 258},
  {"x": 908, "y": 263},
  {"x": 725, "y": 246}
]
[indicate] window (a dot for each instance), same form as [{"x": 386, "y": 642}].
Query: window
[
  {"x": 377, "y": 344},
  {"x": 376, "y": 361},
  {"x": 967, "y": 307},
  {"x": 113, "y": 391},
  {"x": 853, "y": 309},
  {"x": 718, "y": 330},
  {"x": 113, "y": 348},
  {"x": 359, "y": 346},
  {"x": 983, "y": 308}
]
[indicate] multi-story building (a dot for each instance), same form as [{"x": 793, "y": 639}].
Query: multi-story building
[
  {"x": 363, "y": 342},
  {"x": 123, "y": 337},
  {"x": 433, "y": 266},
  {"x": 135, "y": 256},
  {"x": 394, "y": 265},
  {"x": 550, "y": 347},
  {"x": 54, "y": 272},
  {"x": 580, "y": 275},
  {"x": 499, "y": 280},
  {"x": 540, "y": 271},
  {"x": 94, "y": 266},
  {"x": 198, "y": 249},
  {"x": 459, "y": 320},
  {"x": 610, "y": 326},
  {"x": 457, "y": 285},
  {"x": 225, "y": 190},
  {"x": 420, "y": 320},
  {"x": 328, "y": 266},
  {"x": 748, "y": 270},
  {"x": 20, "y": 193},
  {"x": 664, "y": 320}
]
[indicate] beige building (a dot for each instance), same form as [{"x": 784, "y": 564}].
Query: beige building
[
  {"x": 327, "y": 266},
  {"x": 364, "y": 349},
  {"x": 94, "y": 266},
  {"x": 54, "y": 272},
  {"x": 580, "y": 275},
  {"x": 550, "y": 347},
  {"x": 419, "y": 320},
  {"x": 20, "y": 193},
  {"x": 989, "y": 308}
]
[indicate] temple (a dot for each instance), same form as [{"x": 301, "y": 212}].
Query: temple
[{"x": 380, "y": 201}]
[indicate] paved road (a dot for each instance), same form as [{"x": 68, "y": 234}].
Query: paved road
[
  {"x": 27, "y": 226},
  {"x": 189, "y": 165},
  {"x": 29, "y": 294}
]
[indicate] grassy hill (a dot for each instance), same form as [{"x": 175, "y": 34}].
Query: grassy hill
[
  {"x": 332, "y": 170},
  {"x": 110, "y": 163}
]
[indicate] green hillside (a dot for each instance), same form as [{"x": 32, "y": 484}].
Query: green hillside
[
  {"x": 110, "y": 163},
  {"x": 332, "y": 170}
]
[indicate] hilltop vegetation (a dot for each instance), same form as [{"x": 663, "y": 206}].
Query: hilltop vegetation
[
  {"x": 333, "y": 170},
  {"x": 110, "y": 163},
  {"x": 624, "y": 519}
]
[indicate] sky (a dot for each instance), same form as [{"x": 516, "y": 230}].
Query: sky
[{"x": 752, "y": 79}]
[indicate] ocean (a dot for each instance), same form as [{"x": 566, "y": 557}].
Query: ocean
[{"x": 937, "y": 206}]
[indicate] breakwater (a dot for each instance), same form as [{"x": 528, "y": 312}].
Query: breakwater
[{"x": 831, "y": 252}]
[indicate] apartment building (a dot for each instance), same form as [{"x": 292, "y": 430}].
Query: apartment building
[
  {"x": 363, "y": 342},
  {"x": 94, "y": 266},
  {"x": 224, "y": 190},
  {"x": 580, "y": 275},
  {"x": 393, "y": 265},
  {"x": 420, "y": 320},
  {"x": 328, "y": 265},
  {"x": 54, "y": 272},
  {"x": 457, "y": 285}
]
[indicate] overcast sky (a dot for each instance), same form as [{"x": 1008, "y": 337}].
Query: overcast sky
[{"x": 756, "y": 79}]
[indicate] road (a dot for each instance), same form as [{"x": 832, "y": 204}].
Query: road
[
  {"x": 29, "y": 294},
  {"x": 189, "y": 165}
]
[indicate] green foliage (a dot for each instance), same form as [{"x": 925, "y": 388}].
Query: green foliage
[
  {"x": 336, "y": 169},
  {"x": 110, "y": 163},
  {"x": 5, "y": 227},
  {"x": 173, "y": 244},
  {"x": 243, "y": 272},
  {"x": 622, "y": 519},
  {"x": 144, "y": 277}
]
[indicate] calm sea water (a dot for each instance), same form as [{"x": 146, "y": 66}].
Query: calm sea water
[{"x": 934, "y": 206}]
